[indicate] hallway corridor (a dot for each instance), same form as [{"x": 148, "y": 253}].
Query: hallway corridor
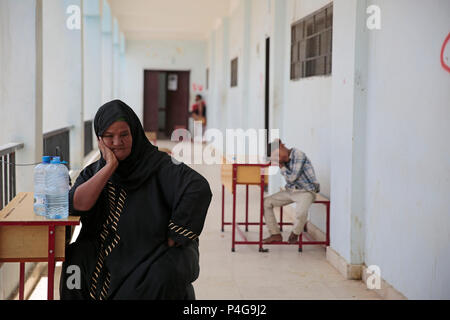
[{"x": 281, "y": 273}]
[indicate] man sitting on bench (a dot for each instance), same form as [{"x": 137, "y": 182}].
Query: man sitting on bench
[{"x": 301, "y": 188}]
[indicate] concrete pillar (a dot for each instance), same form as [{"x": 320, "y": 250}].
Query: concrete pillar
[
  {"x": 279, "y": 71},
  {"x": 116, "y": 60},
  {"x": 62, "y": 70},
  {"x": 107, "y": 53},
  {"x": 92, "y": 67},
  {"x": 20, "y": 99},
  {"x": 122, "y": 66},
  {"x": 92, "y": 60},
  {"x": 350, "y": 52},
  {"x": 246, "y": 66},
  {"x": 225, "y": 80},
  {"x": 212, "y": 114}
]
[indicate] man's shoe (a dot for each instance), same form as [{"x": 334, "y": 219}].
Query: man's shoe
[
  {"x": 273, "y": 238},
  {"x": 293, "y": 238}
]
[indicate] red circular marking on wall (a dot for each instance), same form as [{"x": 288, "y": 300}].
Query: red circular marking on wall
[{"x": 444, "y": 65}]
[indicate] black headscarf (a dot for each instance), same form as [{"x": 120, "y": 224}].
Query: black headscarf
[{"x": 144, "y": 158}]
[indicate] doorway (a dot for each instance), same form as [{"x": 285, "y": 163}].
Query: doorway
[{"x": 166, "y": 101}]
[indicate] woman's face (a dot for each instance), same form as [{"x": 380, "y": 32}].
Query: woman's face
[{"x": 118, "y": 138}]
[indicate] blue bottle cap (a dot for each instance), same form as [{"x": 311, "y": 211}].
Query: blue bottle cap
[
  {"x": 56, "y": 160},
  {"x": 46, "y": 159}
]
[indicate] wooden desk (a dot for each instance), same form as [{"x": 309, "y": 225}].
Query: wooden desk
[
  {"x": 27, "y": 237},
  {"x": 233, "y": 174}
]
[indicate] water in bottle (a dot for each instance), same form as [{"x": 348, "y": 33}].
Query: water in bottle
[
  {"x": 39, "y": 186},
  {"x": 57, "y": 189}
]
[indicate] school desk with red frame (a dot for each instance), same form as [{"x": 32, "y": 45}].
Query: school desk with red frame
[
  {"x": 26, "y": 237},
  {"x": 256, "y": 174}
]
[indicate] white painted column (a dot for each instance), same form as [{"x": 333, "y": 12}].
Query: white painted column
[
  {"x": 62, "y": 70},
  {"x": 21, "y": 83},
  {"x": 92, "y": 66},
  {"x": 92, "y": 61},
  {"x": 107, "y": 53},
  {"x": 122, "y": 66},
  {"x": 279, "y": 72},
  {"x": 278, "y": 46},
  {"x": 20, "y": 99},
  {"x": 225, "y": 80},
  {"x": 350, "y": 51},
  {"x": 246, "y": 66},
  {"x": 213, "y": 112},
  {"x": 210, "y": 114},
  {"x": 116, "y": 60}
]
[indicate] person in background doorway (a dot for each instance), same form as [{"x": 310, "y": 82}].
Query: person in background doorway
[
  {"x": 301, "y": 188},
  {"x": 199, "y": 109},
  {"x": 199, "y": 115}
]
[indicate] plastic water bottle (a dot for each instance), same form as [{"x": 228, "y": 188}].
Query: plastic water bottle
[
  {"x": 57, "y": 189},
  {"x": 39, "y": 186}
]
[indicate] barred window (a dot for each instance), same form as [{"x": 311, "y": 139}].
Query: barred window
[{"x": 311, "y": 44}]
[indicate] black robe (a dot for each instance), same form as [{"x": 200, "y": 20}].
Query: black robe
[{"x": 122, "y": 249}]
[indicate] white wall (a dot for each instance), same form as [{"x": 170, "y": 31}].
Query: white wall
[
  {"x": 236, "y": 36},
  {"x": 220, "y": 83},
  {"x": 306, "y": 125},
  {"x": 374, "y": 129},
  {"x": 161, "y": 55},
  {"x": 20, "y": 100},
  {"x": 62, "y": 65},
  {"x": 306, "y": 120},
  {"x": 92, "y": 64},
  {"x": 116, "y": 60},
  {"x": 62, "y": 70},
  {"x": 107, "y": 52},
  {"x": 407, "y": 151},
  {"x": 260, "y": 30}
]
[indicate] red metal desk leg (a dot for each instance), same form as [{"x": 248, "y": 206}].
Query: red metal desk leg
[
  {"x": 328, "y": 223},
  {"x": 22, "y": 281},
  {"x": 233, "y": 237},
  {"x": 246, "y": 207},
  {"x": 51, "y": 261},
  {"x": 261, "y": 212},
  {"x": 300, "y": 243},
  {"x": 281, "y": 218},
  {"x": 223, "y": 207}
]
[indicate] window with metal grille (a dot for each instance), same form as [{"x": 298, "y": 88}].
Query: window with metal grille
[
  {"x": 88, "y": 146},
  {"x": 311, "y": 44},
  {"x": 234, "y": 72}
]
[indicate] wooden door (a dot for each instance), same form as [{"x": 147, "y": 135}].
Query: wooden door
[
  {"x": 151, "y": 90},
  {"x": 177, "y": 103}
]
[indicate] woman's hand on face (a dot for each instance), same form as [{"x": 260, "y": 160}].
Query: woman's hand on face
[{"x": 107, "y": 153}]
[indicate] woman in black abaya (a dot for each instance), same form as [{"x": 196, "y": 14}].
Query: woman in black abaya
[{"x": 141, "y": 217}]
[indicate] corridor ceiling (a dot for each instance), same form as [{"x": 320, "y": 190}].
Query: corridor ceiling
[{"x": 169, "y": 19}]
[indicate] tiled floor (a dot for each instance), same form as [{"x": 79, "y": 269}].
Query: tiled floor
[{"x": 281, "y": 273}]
